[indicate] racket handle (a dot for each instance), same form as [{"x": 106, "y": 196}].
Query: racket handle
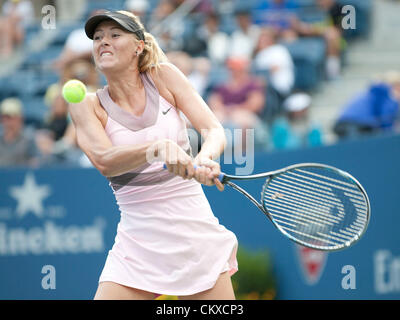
[{"x": 220, "y": 177}]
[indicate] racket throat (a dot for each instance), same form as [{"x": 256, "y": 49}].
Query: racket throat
[{"x": 246, "y": 194}]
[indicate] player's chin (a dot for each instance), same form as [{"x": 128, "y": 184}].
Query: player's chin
[{"x": 106, "y": 65}]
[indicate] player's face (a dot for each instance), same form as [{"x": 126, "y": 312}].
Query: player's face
[{"x": 113, "y": 47}]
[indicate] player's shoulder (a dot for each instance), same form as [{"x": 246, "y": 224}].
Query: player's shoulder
[
  {"x": 92, "y": 98},
  {"x": 88, "y": 102},
  {"x": 165, "y": 72},
  {"x": 85, "y": 109},
  {"x": 168, "y": 78}
]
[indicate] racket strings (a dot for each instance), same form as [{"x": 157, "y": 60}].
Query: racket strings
[
  {"x": 308, "y": 201},
  {"x": 317, "y": 207}
]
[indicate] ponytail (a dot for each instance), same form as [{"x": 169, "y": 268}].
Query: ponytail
[{"x": 152, "y": 55}]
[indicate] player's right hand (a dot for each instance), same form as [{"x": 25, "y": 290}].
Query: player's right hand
[{"x": 176, "y": 159}]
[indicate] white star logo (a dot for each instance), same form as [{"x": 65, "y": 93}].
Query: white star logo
[{"x": 30, "y": 196}]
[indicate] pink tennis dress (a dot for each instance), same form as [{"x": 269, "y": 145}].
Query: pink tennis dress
[{"x": 168, "y": 240}]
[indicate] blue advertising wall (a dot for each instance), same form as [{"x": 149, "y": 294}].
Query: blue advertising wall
[
  {"x": 61, "y": 224},
  {"x": 374, "y": 260}
]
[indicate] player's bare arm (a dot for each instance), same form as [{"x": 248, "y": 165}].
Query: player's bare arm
[
  {"x": 108, "y": 159},
  {"x": 199, "y": 114}
]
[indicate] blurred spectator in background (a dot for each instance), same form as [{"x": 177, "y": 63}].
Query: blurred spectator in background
[
  {"x": 195, "y": 69},
  {"x": 244, "y": 38},
  {"x": 17, "y": 147},
  {"x": 239, "y": 102},
  {"x": 199, "y": 77},
  {"x": 214, "y": 41},
  {"x": 294, "y": 129},
  {"x": 83, "y": 70},
  {"x": 373, "y": 111},
  {"x": 64, "y": 151},
  {"x": 67, "y": 11},
  {"x": 204, "y": 7},
  {"x": 139, "y": 8},
  {"x": 15, "y": 16},
  {"x": 54, "y": 126},
  {"x": 297, "y": 108},
  {"x": 169, "y": 36},
  {"x": 275, "y": 58},
  {"x": 56, "y": 138},
  {"x": 331, "y": 30},
  {"x": 57, "y": 119},
  {"x": 163, "y": 9},
  {"x": 277, "y": 14},
  {"x": 177, "y": 3},
  {"x": 77, "y": 46},
  {"x": 282, "y": 135},
  {"x": 224, "y": 6}
]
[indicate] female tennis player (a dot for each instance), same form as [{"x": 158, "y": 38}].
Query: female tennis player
[{"x": 168, "y": 240}]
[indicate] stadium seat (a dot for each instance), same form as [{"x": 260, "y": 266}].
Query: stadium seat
[
  {"x": 35, "y": 110},
  {"x": 217, "y": 75},
  {"x": 92, "y": 5},
  {"x": 30, "y": 32},
  {"x": 308, "y": 55},
  {"x": 363, "y": 18},
  {"x": 273, "y": 104},
  {"x": 42, "y": 57},
  {"x": 63, "y": 33},
  {"x": 311, "y": 14},
  {"x": 228, "y": 23}
]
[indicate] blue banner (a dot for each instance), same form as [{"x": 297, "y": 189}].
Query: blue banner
[
  {"x": 368, "y": 270},
  {"x": 57, "y": 225}
]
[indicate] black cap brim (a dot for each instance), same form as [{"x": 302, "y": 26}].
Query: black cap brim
[{"x": 94, "y": 21}]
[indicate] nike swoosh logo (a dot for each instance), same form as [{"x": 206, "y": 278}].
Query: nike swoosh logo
[{"x": 165, "y": 112}]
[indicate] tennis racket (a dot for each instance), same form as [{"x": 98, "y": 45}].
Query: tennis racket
[{"x": 314, "y": 205}]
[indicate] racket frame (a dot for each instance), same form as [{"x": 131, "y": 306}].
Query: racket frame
[{"x": 226, "y": 179}]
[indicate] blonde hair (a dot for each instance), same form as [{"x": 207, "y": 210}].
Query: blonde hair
[{"x": 152, "y": 55}]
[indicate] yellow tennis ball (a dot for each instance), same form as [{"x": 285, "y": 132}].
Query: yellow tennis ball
[{"x": 74, "y": 91}]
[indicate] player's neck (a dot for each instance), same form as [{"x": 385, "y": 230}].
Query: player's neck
[{"x": 124, "y": 85}]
